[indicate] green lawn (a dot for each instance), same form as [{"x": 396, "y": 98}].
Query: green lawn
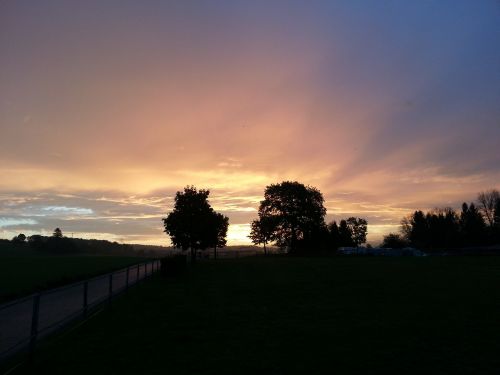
[
  {"x": 344, "y": 315},
  {"x": 23, "y": 271}
]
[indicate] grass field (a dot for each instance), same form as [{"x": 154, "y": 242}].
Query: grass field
[
  {"x": 434, "y": 315},
  {"x": 25, "y": 271}
]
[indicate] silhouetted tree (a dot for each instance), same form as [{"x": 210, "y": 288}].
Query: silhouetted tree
[
  {"x": 318, "y": 240},
  {"x": 296, "y": 213},
  {"x": 496, "y": 215},
  {"x": 472, "y": 226},
  {"x": 19, "y": 239},
  {"x": 358, "y": 228},
  {"x": 496, "y": 223},
  {"x": 487, "y": 203},
  {"x": 334, "y": 240},
  {"x": 345, "y": 235},
  {"x": 35, "y": 240},
  {"x": 439, "y": 228},
  {"x": 57, "y": 233},
  {"x": 415, "y": 229},
  {"x": 394, "y": 241},
  {"x": 218, "y": 231},
  {"x": 262, "y": 231},
  {"x": 193, "y": 224},
  {"x": 443, "y": 226}
]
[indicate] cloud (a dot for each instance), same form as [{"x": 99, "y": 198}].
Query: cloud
[
  {"x": 63, "y": 210},
  {"x": 14, "y": 222},
  {"x": 385, "y": 109}
]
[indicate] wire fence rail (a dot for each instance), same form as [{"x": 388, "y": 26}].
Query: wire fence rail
[
  {"x": 210, "y": 254},
  {"x": 26, "y": 320}
]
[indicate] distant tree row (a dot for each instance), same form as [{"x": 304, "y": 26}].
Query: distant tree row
[
  {"x": 21, "y": 237},
  {"x": 475, "y": 225},
  {"x": 59, "y": 244}
]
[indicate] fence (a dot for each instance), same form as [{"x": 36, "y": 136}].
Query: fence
[
  {"x": 224, "y": 254},
  {"x": 26, "y": 320}
]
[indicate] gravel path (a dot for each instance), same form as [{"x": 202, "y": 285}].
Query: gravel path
[{"x": 57, "y": 307}]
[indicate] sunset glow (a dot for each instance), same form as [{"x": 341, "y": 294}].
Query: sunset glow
[{"x": 107, "y": 110}]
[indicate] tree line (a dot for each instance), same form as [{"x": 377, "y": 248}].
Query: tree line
[
  {"x": 57, "y": 243},
  {"x": 291, "y": 216},
  {"x": 476, "y": 224}
]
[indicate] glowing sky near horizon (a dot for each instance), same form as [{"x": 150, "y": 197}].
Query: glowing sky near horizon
[{"x": 108, "y": 108}]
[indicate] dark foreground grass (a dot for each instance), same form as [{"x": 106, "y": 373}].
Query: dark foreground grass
[
  {"x": 23, "y": 271},
  {"x": 296, "y": 316}
]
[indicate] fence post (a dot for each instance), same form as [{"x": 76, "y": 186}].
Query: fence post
[
  {"x": 85, "y": 298},
  {"x": 34, "y": 324},
  {"x": 110, "y": 287},
  {"x": 137, "y": 278},
  {"x": 126, "y": 279}
]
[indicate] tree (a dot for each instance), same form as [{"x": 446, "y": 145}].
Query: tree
[
  {"x": 439, "y": 228},
  {"x": 193, "y": 224},
  {"x": 472, "y": 225},
  {"x": 444, "y": 228},
  {"x": 358, "y": 228},
  {"x": 496, "y": 222},
  {"x": 218, "y": 231},
  {"x": 57, "y": 233},
  {"x": 262, "y": 230},
  {"x": 334, "y": 234},
  {"x": 394, "y": 241},
  {"x": 19, "y": 239},
  {"x": 496, "y": 215},
  {"x": 415, "y": 229},
  {"x": 36, "y": 241},
  {"x": 345, "y": 235},
  {"x": 295, "y": 213},
  {"x": 487, "y": 202}
]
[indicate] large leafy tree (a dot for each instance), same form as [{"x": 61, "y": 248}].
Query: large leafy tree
[
  {"x": 290, "y": 215},
  {"x": 193, "y": 224},
  {"x": 358, "y": 228}
]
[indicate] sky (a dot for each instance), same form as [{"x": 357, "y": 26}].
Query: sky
[{"x": 107, "y": 108}]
